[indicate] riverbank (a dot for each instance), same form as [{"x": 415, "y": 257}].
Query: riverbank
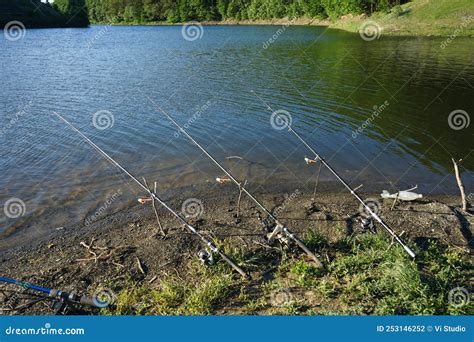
[
  {"x": 418, "y": 18},
  {"x": 124, "y": 258}
]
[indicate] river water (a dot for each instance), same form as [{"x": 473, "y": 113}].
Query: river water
[{"x": 388, "y": 113}]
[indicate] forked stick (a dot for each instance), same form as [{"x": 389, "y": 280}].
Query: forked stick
[{"x": 460, "y": 184}]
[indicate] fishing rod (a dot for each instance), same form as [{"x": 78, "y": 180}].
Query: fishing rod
[
  {"x": 211, "y": 246},
  {"x": 352, "y": 191},
  {"x": 70, "y": 297},
  {"x": 280, "y": 228}
]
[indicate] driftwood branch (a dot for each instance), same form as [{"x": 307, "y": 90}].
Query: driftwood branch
[{"x": 460, "y": 184}]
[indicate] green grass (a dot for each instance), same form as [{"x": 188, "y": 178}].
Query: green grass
[
  {"x": 368, "y": 274},
  {"x": 422, "y": 17},
  {"x": 376, "y": 277},
  {"x": 175, "y": 296}
]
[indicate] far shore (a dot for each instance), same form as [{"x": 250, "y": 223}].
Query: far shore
[{"x": 350, "y": 23}]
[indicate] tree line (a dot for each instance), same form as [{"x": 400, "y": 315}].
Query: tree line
[
  {"x": 34, "y": 13},
  {"x": 142, "y": 11}
]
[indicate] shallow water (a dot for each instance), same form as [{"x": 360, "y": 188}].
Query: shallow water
[{"x": 377, "y": 110}]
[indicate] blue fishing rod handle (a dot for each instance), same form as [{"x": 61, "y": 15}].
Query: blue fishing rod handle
[{"x": 25, "y": 285}]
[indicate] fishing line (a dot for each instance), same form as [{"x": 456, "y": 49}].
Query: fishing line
[
  {"x": 323, "y": 161},
  {"x": 213, "y": 247},
  {"x": 280, "y": 228}
]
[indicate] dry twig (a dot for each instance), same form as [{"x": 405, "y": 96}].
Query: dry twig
[
  {"x": 240, "y": 197},
  {"x": 460, "y": 184},
  {"x": 153, "y": 203},
  {"x": 140, "y": 267}
]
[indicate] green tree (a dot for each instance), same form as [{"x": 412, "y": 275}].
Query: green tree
[
  {"x": 205, "y": 10},
  {"x": 74, "y": 11}
]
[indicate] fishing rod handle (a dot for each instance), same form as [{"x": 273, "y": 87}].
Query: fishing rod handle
[
  {"x": 75, "y": 298},
  {"x": 93, "y": 301},
  {"x": 409, "y": 251}
]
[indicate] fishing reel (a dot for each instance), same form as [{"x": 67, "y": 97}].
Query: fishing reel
[
  {"x": 279, "y": 235},
  {"x": 206, "y": 257},
  {"x": 367, "y": 224},
  {"x": 275, "y": 231}
]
